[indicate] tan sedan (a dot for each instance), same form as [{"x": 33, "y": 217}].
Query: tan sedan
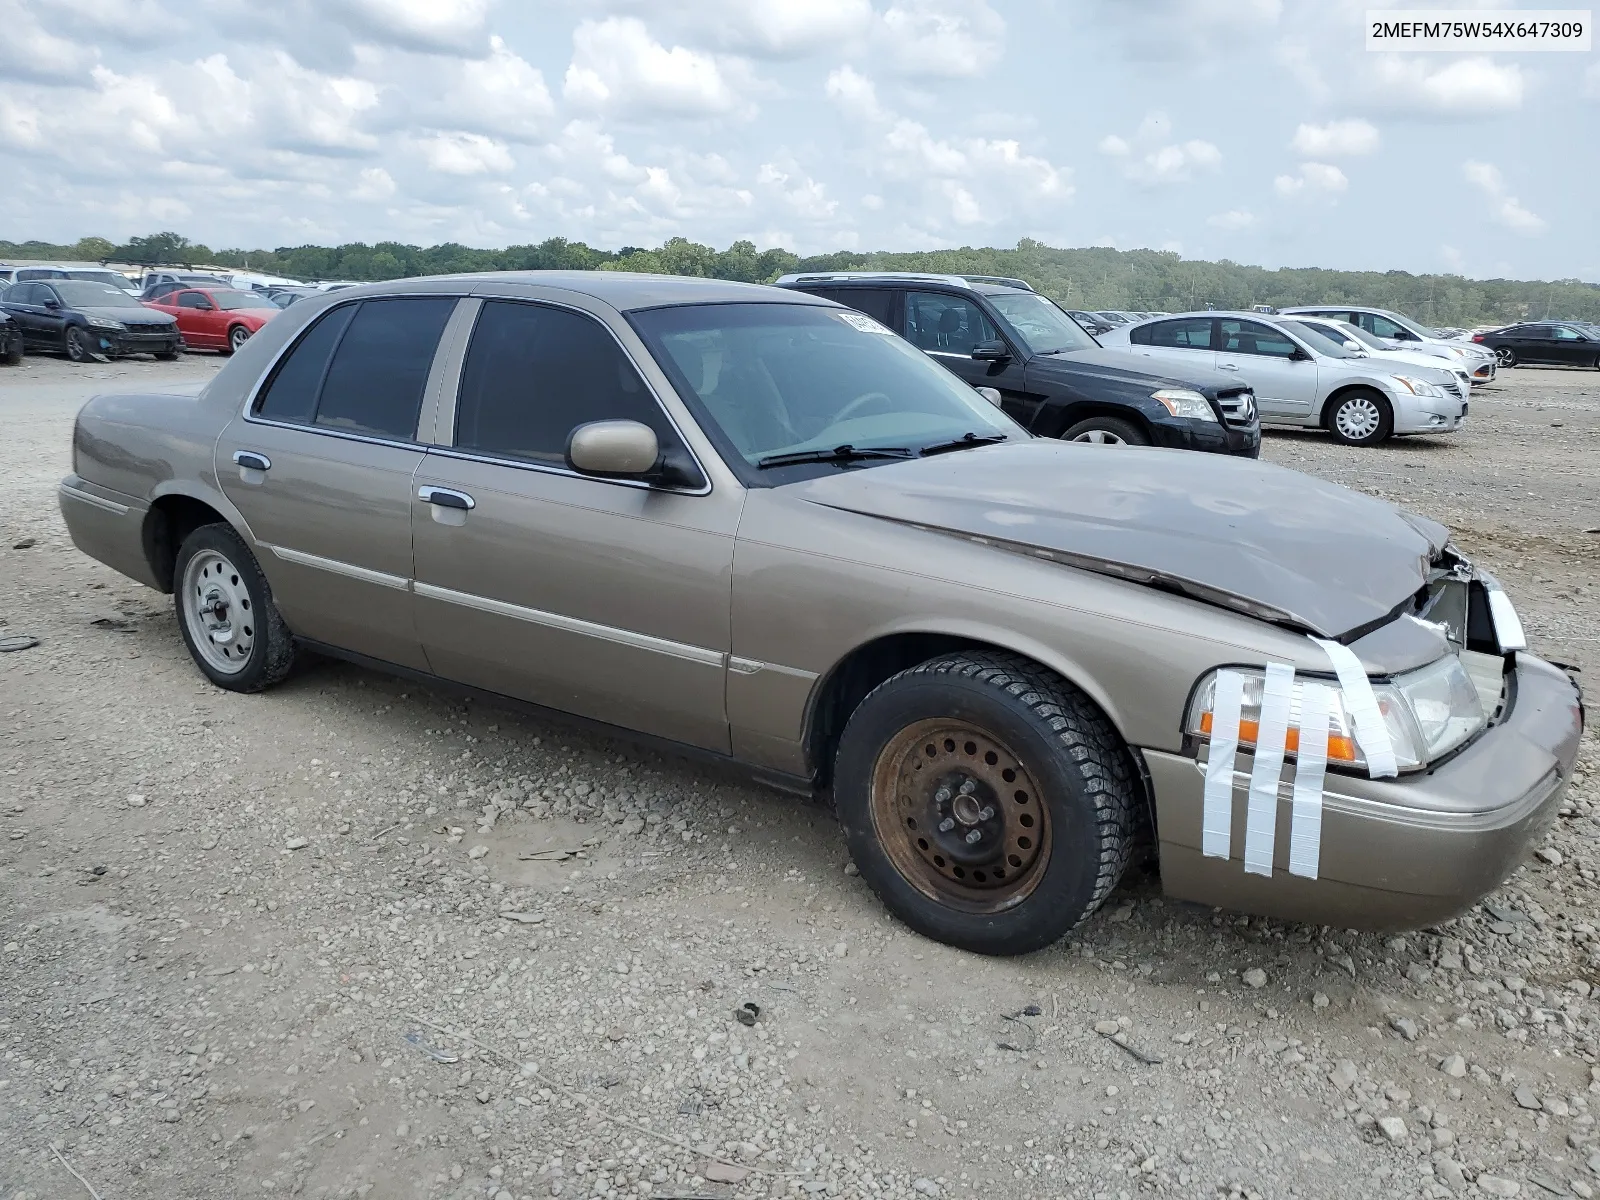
[{"x": 760, "y": 526}]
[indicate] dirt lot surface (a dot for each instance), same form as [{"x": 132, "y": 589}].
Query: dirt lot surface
[{"x": 354, "y": 937}]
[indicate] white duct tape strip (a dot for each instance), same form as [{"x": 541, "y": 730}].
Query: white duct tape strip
[
  {"x": 1371, "y": 733},
  {"x": 1216, "y": 825},
  {"x": 1261, "y": 822},
  {"x": 1311, "y": 767}
]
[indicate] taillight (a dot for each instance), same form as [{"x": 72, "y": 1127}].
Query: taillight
[{"x": 1477, "y": 337}]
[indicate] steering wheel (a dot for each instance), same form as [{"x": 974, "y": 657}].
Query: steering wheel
[{"x": 845, "y": 413}]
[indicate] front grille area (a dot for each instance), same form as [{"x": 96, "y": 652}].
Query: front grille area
[{"x": 1238, "y": 408}]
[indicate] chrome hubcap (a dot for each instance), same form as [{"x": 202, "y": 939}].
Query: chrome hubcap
[
  {"x": 217, "y": 611},
  {"x": 1358, "y": 418},
  {"x": 1100, "y": 437},
  {"x": 1505, "y": 356}
]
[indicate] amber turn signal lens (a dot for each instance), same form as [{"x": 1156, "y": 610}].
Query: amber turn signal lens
[{"x": 1340, "y": 748}]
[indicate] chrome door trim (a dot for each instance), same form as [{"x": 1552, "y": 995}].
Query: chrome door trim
[
  {"x": 348, "y": 570},
  {"x": 752, "y": 666},
  {"x": 110, "y": 506},
  {"x": 550, "y": 469},
  {"x": 605, "y": 633}
]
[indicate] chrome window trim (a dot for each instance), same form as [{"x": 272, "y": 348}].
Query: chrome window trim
[
  {"x": 89, "y": 498},
  {"x": 565, "y": 472},
  {"x": 349, "y": 570},
  {"x": 345, "y": 435},
  {"x": 607, "y": 633},
  {"x": 644, "y": 378}
]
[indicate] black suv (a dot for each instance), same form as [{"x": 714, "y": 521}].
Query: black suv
[{"x": 1051, "y": 375}]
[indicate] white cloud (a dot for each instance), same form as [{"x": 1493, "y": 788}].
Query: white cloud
[
  {"x": 1455, "y": 262},
  {"x": 947, "y": 39},
  {"x": 374, "y": 184},
  {"x": 435, "y": 26},
  {"x": 1336, "y": 139},
  {"x": 791, "y": 28},
  {"x": 465, "y": 154},
  {"x": 1467, "y": 87},
  {"x": 500, "y": 95},
  {"x": 29, "y": 51},
  {"x": 618, "y": 67},
  {"x": 1148, "y": 158},
  {"x": 1192, "y": 31},
  {"x": 1314, "y": 178},
  {"x": 1234, "y": 218},
  {"x": 1503, "y": 207}
]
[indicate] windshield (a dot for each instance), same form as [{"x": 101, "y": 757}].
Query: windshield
[
  {"x": 1043, "y": 327},
  {"x": 1319, "y": 340},
  {"x": 1357, "y": 334},
  {"x": 237, "y": 300},
  {"x": 776, "y": 379},
  {"x": 77, "y": 293},
  {"x": 110, "y": 277}
]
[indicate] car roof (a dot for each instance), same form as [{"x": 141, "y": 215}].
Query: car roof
[
  {"x": 980, "y": 283},
  {"x": 622, "y": 290}
]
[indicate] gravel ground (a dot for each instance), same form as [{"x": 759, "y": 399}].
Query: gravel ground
[{"x": 359, "y": 938}]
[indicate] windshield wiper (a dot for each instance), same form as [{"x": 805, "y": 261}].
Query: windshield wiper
[
  {"x": 839, "y": 454},
  {"x": 963, "y": 442}
]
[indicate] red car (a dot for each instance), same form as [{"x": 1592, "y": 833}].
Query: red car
[{"x": 216, "y": 318}]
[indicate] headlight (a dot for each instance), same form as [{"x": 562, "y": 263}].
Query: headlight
[
  {"x": 105, "y": 323},
  {"x": 1428, "y": 713},
  {"x": 1184, "y": 402},
  {"x": 1418, "y": 387},
  {"x": 1457, "y": 351}
]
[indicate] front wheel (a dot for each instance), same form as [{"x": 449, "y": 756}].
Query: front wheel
[
  {"x": 79, "y": 347},
  {"x": 1361, "y": 418},
  {"x": 989, "y": 804},
  {"x": 226, "y": 614},
  {"x": 237, "y": 337},
  {"x": 1106, "y": 431},
  {"x": 1506, "y": 356},
  {"x": 13, "y": 356}
]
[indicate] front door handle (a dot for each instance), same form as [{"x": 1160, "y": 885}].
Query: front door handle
[
  {"x": 1227, "y": 366},
  {"x": 446, "y": 498},
  {"x": 249, "y": 460}
]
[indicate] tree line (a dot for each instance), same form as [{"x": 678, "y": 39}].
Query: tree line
[{"x": 1086, "y": 278}]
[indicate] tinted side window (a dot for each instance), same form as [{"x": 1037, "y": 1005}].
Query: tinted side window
[
  {"x": 1382, "y": 327},
  {"x": 1249, "y": 337},
  {"x": 22, "y": 293},
  {"x": 1565, "y": 334},
  {"x": 1193, "y": 333},
  {"x": 1537, "y": 331},
  {"x": 534, "y": 374},
  {"x": 877, "y": 303},
  {"x": 946, "y": 324},
  {"x": 292, "y": 393},
  {"x": 192, "y": 300},
  {"x": 375, "y": 383}
]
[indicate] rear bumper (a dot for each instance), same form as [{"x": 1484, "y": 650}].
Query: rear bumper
[
  {"x": 1395, "y": 853},
  {"x": 107, "y": 526},
  {"x": 1208, "y": 437}
]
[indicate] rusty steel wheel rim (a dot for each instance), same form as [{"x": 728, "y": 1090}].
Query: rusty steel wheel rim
[{"x": 960, "y": 816}]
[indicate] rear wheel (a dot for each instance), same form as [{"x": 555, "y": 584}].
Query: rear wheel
[
  {"x": 1361, "y": 418},
  {"x": 237, "y": 337},
  {"x": 988, "y": 803},
  {"x": 1106, "y": 431},
  {"x": 226, "y": 614},
  {"x": 1506, "y": 356}
]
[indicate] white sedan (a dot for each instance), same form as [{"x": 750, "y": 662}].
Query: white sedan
[{"x": 1303, "y": 377}]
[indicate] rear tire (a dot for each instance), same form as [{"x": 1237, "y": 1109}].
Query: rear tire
[
  {"x": 990, "y": 744},
  {"x": 1106, "y": 431},
  {"x": 1361, "y": 417},
  {"x": 13, "y": 356},
  {"x": 225, "y": 612}
]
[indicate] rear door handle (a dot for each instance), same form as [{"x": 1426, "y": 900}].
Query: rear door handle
[
  {"x": 446, "y": 498},
  {"x": 249, "y": 460},
  {"x": 1227, "y": 366}
]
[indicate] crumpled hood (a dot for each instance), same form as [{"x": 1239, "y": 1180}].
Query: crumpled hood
[
  {"x": 1244, "y": 534},
  {"x": 1118, "y": 363}
]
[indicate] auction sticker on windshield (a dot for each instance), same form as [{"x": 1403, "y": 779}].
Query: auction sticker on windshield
[{"x": 863, "y": 322}]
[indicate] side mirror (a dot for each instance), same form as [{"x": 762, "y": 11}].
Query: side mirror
[
  {"x": 992, "y": 395},
  {"x": 1300, "y": 354},
  {"x": 206, "y": 306},
  {"x": 615, "y": 448},
  {"x": 991, "y": 351},
  {"x": 1356, "y": 346}
]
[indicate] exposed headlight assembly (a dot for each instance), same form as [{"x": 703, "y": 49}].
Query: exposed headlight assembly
[
  {"x": 1418, "y": 387},
  {"x": 1428, "y": 713},
  {"x": 106, "y": 323},
  {"x": 1185, "y": 402}
]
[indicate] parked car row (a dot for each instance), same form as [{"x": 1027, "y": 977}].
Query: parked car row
[{"x": 770, "y": 528}]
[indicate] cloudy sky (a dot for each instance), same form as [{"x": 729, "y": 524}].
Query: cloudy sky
[{"x": 1256, "y": 130}]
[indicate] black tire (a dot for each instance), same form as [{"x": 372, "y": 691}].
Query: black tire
[
  {"x": 1507, "y": 357},
  {"x": 170, "y": 355},
  {"x": 1112, "y": 431},
  {"x": 76, "y": 346},
  {"x": 1360, "y": 417},
  {"x": 271, "y": 653},
  {"x": 237, "y": 337},
  {"x": 13, "y": 356},
  {"x": 1087, "y": 800}
]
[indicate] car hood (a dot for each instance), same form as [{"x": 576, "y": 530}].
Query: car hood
[
  {"x": 1113, "y": 363},
  {"x": 139, "y": 316},
  {"x": 1245, "y": 535}
]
